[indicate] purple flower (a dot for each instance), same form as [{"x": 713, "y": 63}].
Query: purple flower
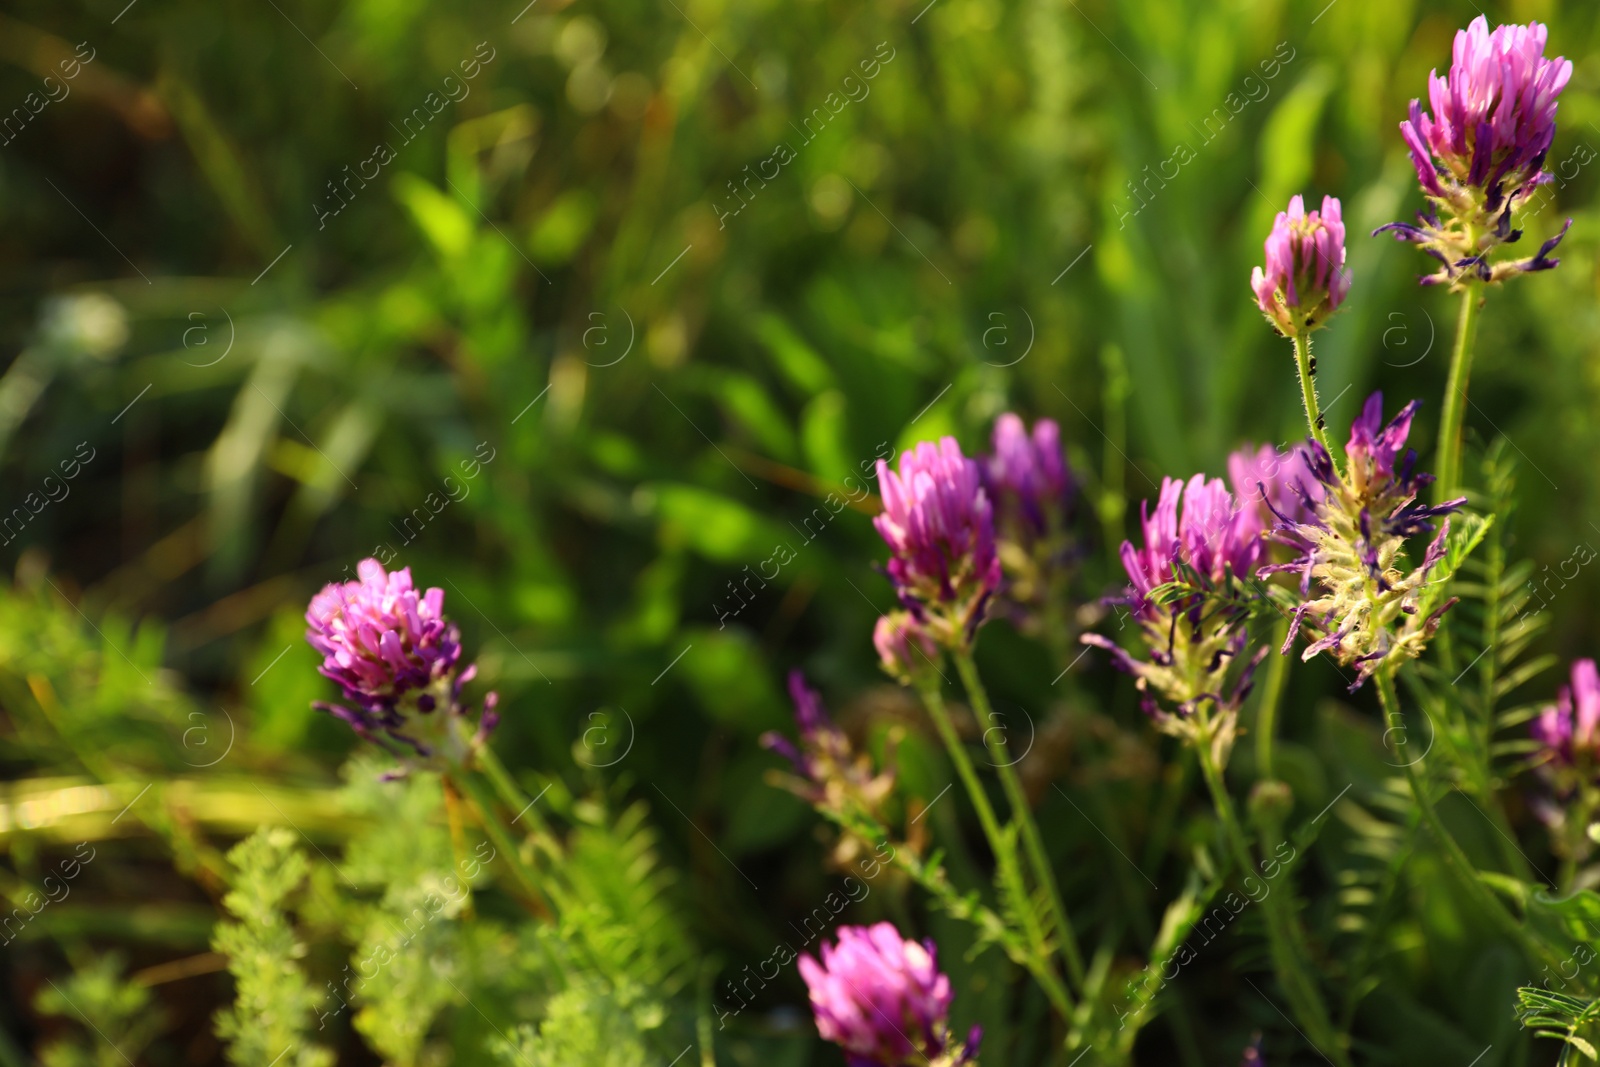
[
  {"x": 1305, "y": 280},
  {"x": 1381, "y": 474},
  {"x": 939, "y": 525},
  {"x": 379, "y": 639},
  {"x": 1359, "y": 603},
  {"x": 1027, "y": 477},
  {"x": 1569, "y": 730},
  {"x": 1483, "y": 149},
  {"x": 906, "y": 652},
  {"x": 1032, "y": 491},
  {"x": 883, "y": 999},
  {"x": 1494, "y": 116},
  {"x": 829, "y": 773},
  {"x": 1196, "y": 638},
  {"x": 1213, "y": 538},
  {"x": 1273, "y": 485},
  {"x": 395, "y": 656}
]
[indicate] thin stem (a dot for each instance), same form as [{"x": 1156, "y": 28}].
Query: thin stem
[
  {"x": 513, "y": 796},
  {"x": 1307, "y": 366},
  {"x": 1023, "y": 814},
  {"x": 1574, "y": 849},
  {"x": 1455, "y": 393},
  {"x": 1005, "y": 853},
  {"x": 1282, "y": 933},
  {"x": 483, "y": 801},
  {"x": 1456, "y": 860},
  {"x": 1271, "y": 694}
]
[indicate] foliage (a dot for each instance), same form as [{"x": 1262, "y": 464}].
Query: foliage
[
  {"x": 272, "y": 1012},
  {"x": 572, "y": 360}
]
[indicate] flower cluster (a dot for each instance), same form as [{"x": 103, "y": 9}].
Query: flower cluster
[
  {"x": 1483, "y": 150},
  {"x": 884, "y": 1001},
  {"x": 829, "y": 773},
  {"x": 1186, "y": 594},
  {"x": 1304, "y": 280},
  {"x": 1270, "y": 484},
  {"x": 939, "y": 525},
  {"x": 1566, "y": 735},
  {"x": 1027, "y": 479},
  {"x": 1366, "y": 611},
  {"x": 1568, "y": 731},
  {"x": 1032, "y": 490},
  {"x": 395, "y": 656}
]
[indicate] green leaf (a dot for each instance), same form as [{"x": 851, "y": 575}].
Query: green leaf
[
  {"x": 563, "y": 227},
  {"x": 795, "y": 359},
  {"x": 444, "y": 221},
  {"x": 718, "y": 527}
]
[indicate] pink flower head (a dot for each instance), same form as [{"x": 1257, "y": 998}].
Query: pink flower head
[
  {"x": 939, "y": 525},
  {"x": 1483, "y": 150},
  {"x": 881, "y": 998},
  {"x": 1274, "y": 486},
  {"x": 1026, "y": 476},
  {"x": 1569, "y": 730},
  {"x": 395, "y": 656},
  {"x": 1494, "y": 115},
  {"x": 1214, "y": 536},
  {"x": 1198, "y": 644},
  {"x": 1305, "y": 280},
  {"x": 379, "y": 639}
]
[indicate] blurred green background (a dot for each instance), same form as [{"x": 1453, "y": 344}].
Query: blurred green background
[{"x": 580, "y": 310}]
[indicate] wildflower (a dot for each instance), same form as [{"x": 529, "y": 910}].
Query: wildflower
[
  {"x": 1366, "y": 610},
  {"x": 1252, "y": 1054},
  {"x": 939, "y": 525},
  {"x": 1568, "y": 731},
  {"x": 1186, "y": 594},
  {"x": 1269, "y": 483},
  {"x": 1305, "y": 280},
  {"x": 829, "y": 773},
  {"x": 905, "y": 651},
  {"x": 395, "y": 656},
  {"x": 1032, "y": 490},
  {"x": 884, "y": 1001},
  {"x": 1483, "y": 149},
  {"x": 1027, "y": 478}
]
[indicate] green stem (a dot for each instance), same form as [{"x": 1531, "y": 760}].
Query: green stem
[
  {"x": 513, "y": 796},
  {"x": 1283, "y": 937},
  {"x": 1271, "y": 694},
  {"x": 1575, "y": 847},
  {"x": 1455, "y": 394},
  {"x": 1023, "y": 814},
  {"x": 1567, "y": 874},
  {"x": 1304, "y": 362},
  {"x": 1005, "y": 854},
  {"x": 1455, "y": 860},
  {"x": 483, "y": 801}
]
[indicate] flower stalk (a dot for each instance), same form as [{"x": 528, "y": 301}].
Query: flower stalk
[
  {"x": 1306, "y": 363},
  {"x": 1004, "y": 848},
  {"x": 1022, "y": 813},
  {"x": 1455, "y": 860},
  {"x": 489, "y": 818},
  {"x": 1455, "y": 392},
  {"x": 1267, "y": 711},
  {"x": 1284, "y": 937}
]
